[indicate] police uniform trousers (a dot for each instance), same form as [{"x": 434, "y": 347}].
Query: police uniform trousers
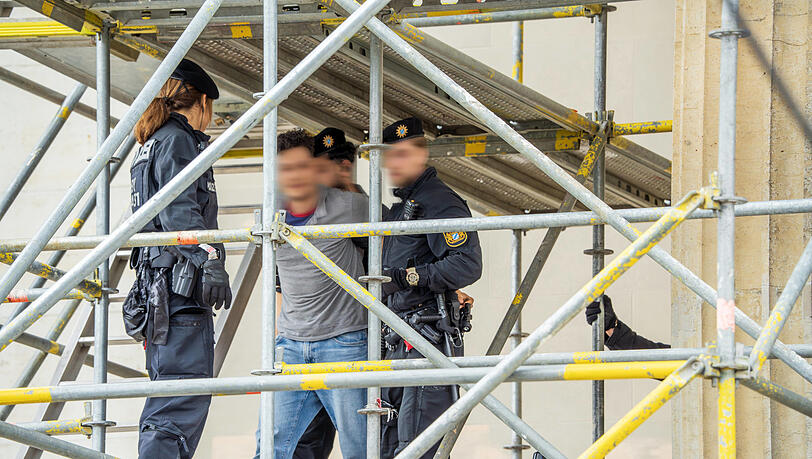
[
  {"x": 417, "y": 407},
  {"x": 170, "y": 427},
  {"x": 317, "y": 441}
]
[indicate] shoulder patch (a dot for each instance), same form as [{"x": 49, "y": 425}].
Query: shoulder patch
[
  {"x": 143, "y": 152},
  {"x": 455, "y": 239}
]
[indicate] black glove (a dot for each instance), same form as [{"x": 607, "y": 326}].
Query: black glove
[
  {"x": 398, "y": 282},
  {"x": 214, "y": 286},
  {"x": 609, "y": 317}
]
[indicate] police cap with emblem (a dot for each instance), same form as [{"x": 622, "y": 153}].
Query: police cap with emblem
[
  {"x": 332, "y": 142},
  {"x": 191, "y": 73},
  {"x": 408, "y": 128}
]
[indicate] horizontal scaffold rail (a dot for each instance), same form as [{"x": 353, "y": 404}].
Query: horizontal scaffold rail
[
  {"x": 523, "y": 222},
  {"x": 326, "y": 381}
]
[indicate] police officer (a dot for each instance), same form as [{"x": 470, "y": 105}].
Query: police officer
[
  {"x": 426, "y": 270},
  {"x": 170, "y": 305},
  {"x": 335, "y": 160}
]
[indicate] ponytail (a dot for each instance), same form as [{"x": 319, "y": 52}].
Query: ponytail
[{"x": 174, "y": 95}]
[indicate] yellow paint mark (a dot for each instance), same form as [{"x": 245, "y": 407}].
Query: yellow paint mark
[
  {"x": 518, "y": 298},
  {"x": 620, "y": 370},
  {"x": 475, "y": 145},
  {"x": 47, "y": 8},
  {"x": 567, "y": 140},
  {"x": 25, "y": 395},
  {"x": 586, "y": 357},
  {"x": 241, "y": 30},
  {"x": 313, "y": 382},
  {"x": 244, "y": 153},
  {"x": 64, "y": 113},
  {"x": 336, "y": 367},
  {"x": 78, "y": 223},
  {"x": 54, "y": 348},
  {"x": 92, "y": 24},
  {"x": 727, "y": 418}
]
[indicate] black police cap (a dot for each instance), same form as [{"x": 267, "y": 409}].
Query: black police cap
[
  {"x": 191, "y": 73},
  {"x": 408, "y": 128},
  {"x": 333, "y": 143}
]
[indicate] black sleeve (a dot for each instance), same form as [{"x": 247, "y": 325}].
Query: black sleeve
[
  {"x": 624, "y": 338},
  {"x": 185, "y": 213},
  {"x": 459, "y": 256}
]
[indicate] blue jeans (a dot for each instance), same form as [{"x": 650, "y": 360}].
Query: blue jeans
[{"x": 294, "y": 410}]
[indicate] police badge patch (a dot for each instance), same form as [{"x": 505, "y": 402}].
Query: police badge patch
[{"x": 456, "y": 238}]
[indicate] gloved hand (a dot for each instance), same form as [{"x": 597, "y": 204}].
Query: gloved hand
[
  {"x": 398, "y": 282},
  {"x": 214, "y": 286},
  {"x": 609, "y": 317}
]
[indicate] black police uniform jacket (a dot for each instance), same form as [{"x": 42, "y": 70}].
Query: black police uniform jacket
[
  {"x": 170, "y": 149},
  {"x": 444, "y": 261}
]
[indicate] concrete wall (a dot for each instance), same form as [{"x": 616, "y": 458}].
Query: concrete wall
[{"x": 558, "y": 62}]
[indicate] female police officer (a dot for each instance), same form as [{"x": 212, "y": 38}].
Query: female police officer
[{"x": 178, "y": 285}]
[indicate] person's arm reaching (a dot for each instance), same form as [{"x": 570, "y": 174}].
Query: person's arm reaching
[{"x": 619, "y": 335}]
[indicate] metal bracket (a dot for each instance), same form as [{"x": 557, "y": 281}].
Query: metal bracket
[
  {"x": 719, "y": 33},
  {"x": 273, "y": 371},
  {"x": 711, "y": 192},
  {"x": 374, "y": 146},
  {"x": 258, "y": 95},
  {"x": 109, "y": 290},
  {"x": 520, "y": 447},
  {"x": 598, "y": 251},
  {"x": 370, "y": 409},
  {"x": 519, "y": 335},
  {"x": 730, "y": 200},
  {"x": 368, "y": 279},
  {"x": 708, "y": 361},
  {"x": 98, "y": 424}
]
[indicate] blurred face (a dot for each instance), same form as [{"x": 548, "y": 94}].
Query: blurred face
[
  {"x": 404, "y": 162},
  {"x": 297, "y": 174},
  {"x": 344, "y": 168},
  {"x": 327, "y": 171}
]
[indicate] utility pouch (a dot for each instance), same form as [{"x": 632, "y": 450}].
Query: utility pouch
[
  {"x": 134, "y": 309},
  {"x": 184, "y": 276}
]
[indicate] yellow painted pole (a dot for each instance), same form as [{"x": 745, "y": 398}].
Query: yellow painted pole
[
  {"x": 571, "y": 372},
  {"x": 664, "y": 392},
  {"x": 645, "y": 127}
]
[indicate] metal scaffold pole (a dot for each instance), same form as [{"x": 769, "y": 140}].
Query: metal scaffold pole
[
  {"x": 39, "y": 151},
  {"x": 100, "y": 332},
  {"x": 598, "y": 231},
  {"x": 375, "y": 242},
  {"x": 726, "y": 234},
  {"x": 517, "y": 446},
  {"x": 269, "y": 203},
  {"x": 516, "y": 335}
]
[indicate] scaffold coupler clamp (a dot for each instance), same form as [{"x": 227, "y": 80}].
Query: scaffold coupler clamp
[
  {"x": 711, "y": 193},
  {"x": 277, "y": 368},
  {"x": 380, "y": 408},
  {"x": 364, "y": 149}
]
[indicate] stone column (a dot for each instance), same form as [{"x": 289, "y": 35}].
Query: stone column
[{"x": 773, "y": 161}]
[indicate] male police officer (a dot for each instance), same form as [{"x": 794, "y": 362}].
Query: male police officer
[
  {"x": 335, "y": 160},
  {"x": 423, "y": 268},
  {"x": 170, "y": 305}
]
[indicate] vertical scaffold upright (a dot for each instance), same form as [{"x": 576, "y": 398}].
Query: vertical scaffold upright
[{"x": 478, "y": 375}]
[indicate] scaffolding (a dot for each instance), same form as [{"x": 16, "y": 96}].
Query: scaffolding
[{"x": 480, "y": 115}]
